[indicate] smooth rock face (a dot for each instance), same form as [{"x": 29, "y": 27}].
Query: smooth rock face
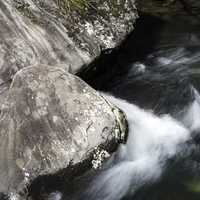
[
  {"x": 59, "y": 32},
  {"x": 49, "y": 120}
]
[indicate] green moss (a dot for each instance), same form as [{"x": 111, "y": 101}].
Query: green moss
[
  {"x": 85, "y": 7},
  {"x": 68, "y": 6},
  {"x": 193, "y": 186}
]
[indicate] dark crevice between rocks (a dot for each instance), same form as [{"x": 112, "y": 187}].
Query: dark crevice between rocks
[
  {"x": 149, "y": 29},
  {"x": 3, "y": 196},
  {"x": 113, "y": 62},
  {"x": 113, "y": 72}
]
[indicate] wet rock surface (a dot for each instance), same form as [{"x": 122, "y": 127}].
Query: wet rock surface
[{"x": 51, "y": 120}]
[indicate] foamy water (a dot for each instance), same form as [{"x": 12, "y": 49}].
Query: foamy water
[
  {"x": 151, "y": 142},
  {"x": 191, "y": 117}
]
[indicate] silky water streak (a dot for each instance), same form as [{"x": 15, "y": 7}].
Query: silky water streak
[{"x": 151, "y": 142}]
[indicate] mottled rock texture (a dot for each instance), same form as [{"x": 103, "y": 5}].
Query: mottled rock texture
[
  {"x": 69, "y": 33},
  {"x": 51, "y": 119}
]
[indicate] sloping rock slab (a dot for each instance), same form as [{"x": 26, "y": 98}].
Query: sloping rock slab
[
  {"x": 50, "y": 120},
  {"x": 69, "y": 33}
]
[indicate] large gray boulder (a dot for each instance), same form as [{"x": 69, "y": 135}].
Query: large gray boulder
[
  {"x": 59, "y": 32},
  {"x": 51, "y": 119}
]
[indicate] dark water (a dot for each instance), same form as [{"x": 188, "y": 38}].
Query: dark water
[
  {"x": 157, "y": 72},
  {"x": 156, "y": 69}
]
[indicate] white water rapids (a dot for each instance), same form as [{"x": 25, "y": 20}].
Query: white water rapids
[{"x": 152, "y": 141}]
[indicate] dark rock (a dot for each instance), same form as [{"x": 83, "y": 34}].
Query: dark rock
[
  {"x": 172, "y": 9},
  {"x": 51, "y": 120}
]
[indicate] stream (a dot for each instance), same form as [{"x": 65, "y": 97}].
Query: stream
[
  {"x": 158, "y": 89},
  {"x": 154, "y": 77}
]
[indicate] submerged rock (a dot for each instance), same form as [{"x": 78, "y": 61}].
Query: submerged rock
[
  {"x": 188, "y": 10},
  {"x": 51, "y": 120}
]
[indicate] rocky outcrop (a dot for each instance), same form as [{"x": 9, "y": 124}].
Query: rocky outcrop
[
  {"x": 51, "y": 120},
  {"x": 59, "y": 32}
]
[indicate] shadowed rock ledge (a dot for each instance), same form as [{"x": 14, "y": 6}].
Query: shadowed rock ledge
[{"x": 51, "y": 120}]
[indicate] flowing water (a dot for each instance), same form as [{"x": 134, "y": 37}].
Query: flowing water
[
  {"x": 159, "y": 94},
  {"x": 152, "y": 140}
]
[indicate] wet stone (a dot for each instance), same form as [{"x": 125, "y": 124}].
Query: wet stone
[{"x": 42, "y": 131}]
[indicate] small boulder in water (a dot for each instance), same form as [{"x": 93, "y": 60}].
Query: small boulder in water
[{"x": 52, "y": 120}]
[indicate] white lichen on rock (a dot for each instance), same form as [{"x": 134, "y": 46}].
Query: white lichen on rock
[
  {"x": 76, "y": 125},
  {"x": 99, "y": 157}
]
